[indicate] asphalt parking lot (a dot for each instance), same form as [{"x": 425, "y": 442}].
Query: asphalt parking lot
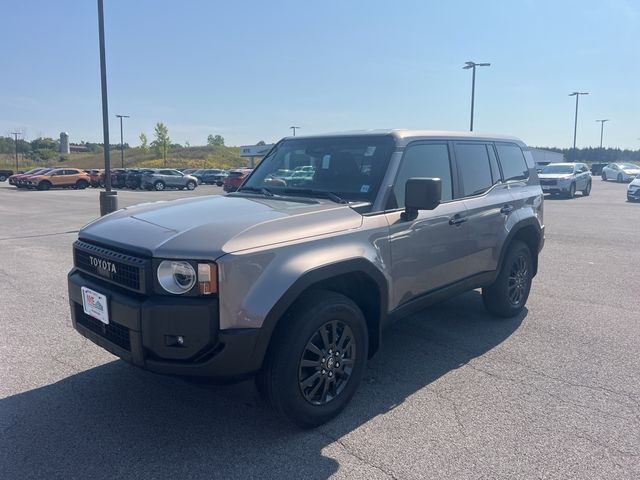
[{"x": 453, "y": 393}]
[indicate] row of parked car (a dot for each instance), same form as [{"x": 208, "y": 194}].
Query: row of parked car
[
  {"x": 568, "y": 178},
  {"x": 133, "y": 178}
]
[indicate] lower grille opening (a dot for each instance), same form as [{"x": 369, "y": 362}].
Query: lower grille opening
[{"x": 114, "y": 332}]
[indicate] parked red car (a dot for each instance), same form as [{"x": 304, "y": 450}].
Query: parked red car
[
  {"x": 235, "y": 179},
  {"x": 18, "y": 180}
]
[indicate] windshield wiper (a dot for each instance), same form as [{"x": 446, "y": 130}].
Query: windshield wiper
[
  {"x": 309, "y": 191},
  {"x": 264, "y": 191}
]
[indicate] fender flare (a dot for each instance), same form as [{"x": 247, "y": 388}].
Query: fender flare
[
  {"x": 527, "y": 222},
  {"x": 307, "y": 280}
]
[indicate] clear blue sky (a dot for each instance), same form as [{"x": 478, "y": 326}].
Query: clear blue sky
[{"x": 248, "y": 70}]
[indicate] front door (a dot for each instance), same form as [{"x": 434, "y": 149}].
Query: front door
[{"x": 429, "y": 252}]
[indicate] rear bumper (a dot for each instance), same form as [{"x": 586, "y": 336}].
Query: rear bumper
[{"x": 143, "y": 330}]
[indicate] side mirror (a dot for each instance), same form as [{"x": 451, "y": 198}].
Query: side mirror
[{"x": 421, "y": 194}]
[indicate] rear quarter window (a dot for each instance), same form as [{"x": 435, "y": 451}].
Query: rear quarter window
[{"x": 512, "y": 161}]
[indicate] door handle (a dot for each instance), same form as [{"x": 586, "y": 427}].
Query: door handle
[
  {"x": 457, "y": 220},
  {"x": 506, "y": 209}
]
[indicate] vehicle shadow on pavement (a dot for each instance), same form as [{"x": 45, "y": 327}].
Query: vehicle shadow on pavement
[{"x": 116, "y": 421}]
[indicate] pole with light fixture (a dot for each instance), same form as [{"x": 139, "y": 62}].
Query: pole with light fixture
[
  {"x": 473, "y": 65},
  {"x": 602, "y": 129}
]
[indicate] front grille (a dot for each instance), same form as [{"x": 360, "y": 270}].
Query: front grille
[
  {"x": 544, "y": 181},
  {"x": 114, "y": 332},
  {"x": 115, "y": 267}
]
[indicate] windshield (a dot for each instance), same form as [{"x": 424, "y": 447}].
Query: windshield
[
  {"x": 350, "y": 167},
  {"x": 558, "y": 169}
]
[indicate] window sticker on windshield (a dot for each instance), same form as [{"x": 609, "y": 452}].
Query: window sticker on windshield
[
  {"x": 364, "y": 189},
  {"x": 369, "y": 151},
  {"x": 325, "y": 162}
]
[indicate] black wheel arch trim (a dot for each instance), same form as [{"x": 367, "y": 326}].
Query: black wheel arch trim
[
  {"x": 525, "y": 223},
  {"x": 308, "y": 280}
]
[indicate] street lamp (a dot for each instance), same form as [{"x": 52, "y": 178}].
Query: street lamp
[
  {"x": 108, "y": 198},
  {"x": 602, "y": 128},
  {"x": 15, "y": 135},
  {"x": 575, "y": 125},
  {"x": 473, "y": 65},
  {"x": 294, "y": 130},
  {"x": 121, "y": 142}
]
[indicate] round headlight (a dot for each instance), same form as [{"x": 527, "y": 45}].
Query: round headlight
[{"x": 176, "y": 277}]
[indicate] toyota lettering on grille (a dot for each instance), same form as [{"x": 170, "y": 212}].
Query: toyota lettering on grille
[{"x": 102, "y": 265}]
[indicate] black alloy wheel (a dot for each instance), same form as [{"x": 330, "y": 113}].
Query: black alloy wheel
[
  {"x": 327, "y": 363},
  {"x": 518, "y": 280},
  {"x": 316, "y": 359}
]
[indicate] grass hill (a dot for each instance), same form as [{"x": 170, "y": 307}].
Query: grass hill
[{"x": 184, "y": 157}]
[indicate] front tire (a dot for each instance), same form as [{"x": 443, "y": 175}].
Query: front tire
[
  {"x": 507, "y": 296},
  {"x": 44, "y": 185},
  {"x": 587, "y": 190},
  {"x": 572, "y": 191},
  {"x": 619, "y": 177},
  {"x": 191, "y": 185},
  {"x": 316, "y": 360},
  {"x": 604, "y": 176},
  {"x": 159, "y": 186},
  {"x": 82, "y": 184}
]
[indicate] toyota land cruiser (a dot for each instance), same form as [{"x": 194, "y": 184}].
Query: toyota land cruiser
[{"x": 296, "y": 283}]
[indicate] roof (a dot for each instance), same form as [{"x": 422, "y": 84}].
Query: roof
[{"x": 406, "y": 134}]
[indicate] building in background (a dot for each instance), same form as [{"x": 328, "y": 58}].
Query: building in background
[{"x": 254, "y": 152}]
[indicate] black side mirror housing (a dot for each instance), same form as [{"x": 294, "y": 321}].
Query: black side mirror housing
[{"x": 421, "y": 194}]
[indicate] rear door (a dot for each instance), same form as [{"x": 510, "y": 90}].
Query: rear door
[
  {"x": 428, "y": 252},
  {"x": 489, "y": 203}
]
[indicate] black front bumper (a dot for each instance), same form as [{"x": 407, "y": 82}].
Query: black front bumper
[{"x": 143, "y": 330}]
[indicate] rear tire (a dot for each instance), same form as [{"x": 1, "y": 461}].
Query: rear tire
[
  {"x": 587, "y": 190},
  {"x": 316, "y": 360},
  {"x": 507, "y": 296},
  {"x": 159, "y": 186}
]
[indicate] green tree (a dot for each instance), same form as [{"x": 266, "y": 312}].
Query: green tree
[
  {"x": 215, "y": 140},
  {"x": 144, "y": 143},
  {"x": 162, "y": 141}
]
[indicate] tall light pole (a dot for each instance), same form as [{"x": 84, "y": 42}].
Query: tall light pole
[
  {"x": 602, "y": 128},
  {"x": 294, "y": 130},
  {"x": 15, "y": 135},
  {"x": 121, "y": 142},
  {"x": 575, "y": 124},
  {"x": 108, "y": 198},
  {"x": 467, "y": 66}
]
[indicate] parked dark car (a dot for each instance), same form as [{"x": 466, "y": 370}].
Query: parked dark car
[
  {"x": 119, "y": 177},
  {"x": 213, "y": 176},
  {"x": 4, "y": 174},
  {"x": 235, "y": 179},
  {"x": 134, "y": 177}
]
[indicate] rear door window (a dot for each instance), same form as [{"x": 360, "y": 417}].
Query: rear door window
[{"x": 474, "y": 168}]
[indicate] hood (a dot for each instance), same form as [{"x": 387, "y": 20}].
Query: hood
[
  {"x": 208, "y": 227},
  {"x": 555, "y": 176},
  {"x": 635, "y": 182},
  {"x": 631, "y": 171}
]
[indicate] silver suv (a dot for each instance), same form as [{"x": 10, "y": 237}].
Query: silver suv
[
  {"x": 296, "y": 283},
  {"x": 167, "y": 178}
]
